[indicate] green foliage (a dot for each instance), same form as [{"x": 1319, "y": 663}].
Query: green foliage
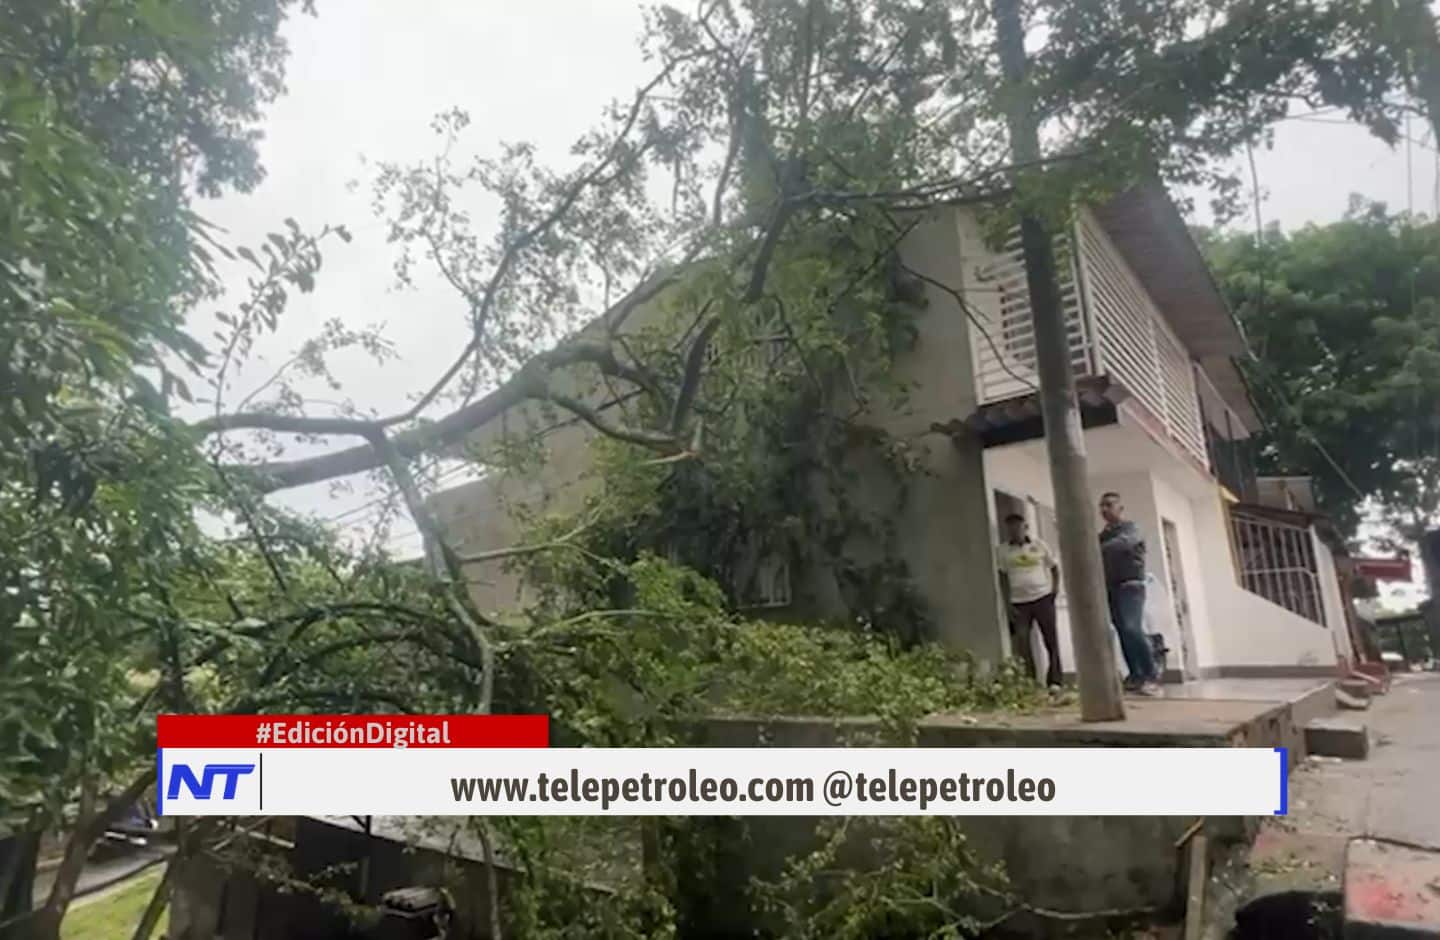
[
  {"x": 109, "y": 114},
  {"x": 558, "y": 902},
  {"x": 783, "y": 669},
  {"x": 1177, "y": 88},
  {"x": 114, "y": 602},
  {"x": 169, "y": 91},
  {"x": 890, "y": 877},
  {"x": 1345, "y": 322},
  {"x": 792, "y": 462},
  {"x": 651, "y": 674},
  {"x": 637, "y": 676}
]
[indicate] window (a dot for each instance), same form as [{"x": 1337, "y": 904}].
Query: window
[
  {"x": 770, "y": 586},
  {"x": 764, "y": 348}
]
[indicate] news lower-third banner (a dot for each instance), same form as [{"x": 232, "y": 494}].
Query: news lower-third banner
[{"x": 502, "y": 765}]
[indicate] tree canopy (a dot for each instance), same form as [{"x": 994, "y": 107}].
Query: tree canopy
[{"x": 1344, "y": 320}]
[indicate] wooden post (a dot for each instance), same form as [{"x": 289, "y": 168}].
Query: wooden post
[
  {"x": 1195, "y": 891},
  {"x": 1064, "y": 438}
]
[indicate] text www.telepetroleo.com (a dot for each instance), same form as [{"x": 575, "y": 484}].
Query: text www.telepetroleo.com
[
  {"x": 352, "y": 765},
  {"x": 837, "y": 787}
]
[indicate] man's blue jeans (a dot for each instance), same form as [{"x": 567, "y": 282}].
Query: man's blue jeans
[{"x": 1127, "y": 612}]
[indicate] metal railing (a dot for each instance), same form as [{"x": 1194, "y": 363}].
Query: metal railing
[
  {"x": 1277, "y": 561},
  {"x": 1113, "y": 325}
]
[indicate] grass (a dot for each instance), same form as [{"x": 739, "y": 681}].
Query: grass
[{"x": 114, "y": 914}]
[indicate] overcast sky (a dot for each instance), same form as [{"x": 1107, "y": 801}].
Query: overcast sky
[{"x": 367, "y": 76}]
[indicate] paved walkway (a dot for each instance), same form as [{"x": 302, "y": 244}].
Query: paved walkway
[
  {"x": 1392, "y": 795},
  {"x": 1395, "y": 793}
]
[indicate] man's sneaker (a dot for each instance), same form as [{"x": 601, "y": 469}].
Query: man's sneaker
[{"x": 1149, "y": 690}]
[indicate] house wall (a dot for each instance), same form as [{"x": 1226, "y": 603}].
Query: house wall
[
  {"x": 948, "y": 526},
  {"x": 1333, "y": 599},
  {"x": 1249, "y": 631},
  {"x": 947, "y": 543},
  {"x": 479, "y": 516},
  {"x": 1232, "y": 630},
  {"x": 946, "y": 539}
]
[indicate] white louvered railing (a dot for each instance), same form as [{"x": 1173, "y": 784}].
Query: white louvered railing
[
  {"x": 1004, "y": 337},
  {"x": 1114, "y": 328}
]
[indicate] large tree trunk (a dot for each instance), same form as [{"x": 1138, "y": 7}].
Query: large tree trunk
[
  {"x": 90, "y": 825},
  {"x": 18, "y": 856},
  {"x": 1064, "y": 440}
]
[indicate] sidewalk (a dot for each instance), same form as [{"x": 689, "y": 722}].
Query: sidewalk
[{"x": 1393, "y": 795}]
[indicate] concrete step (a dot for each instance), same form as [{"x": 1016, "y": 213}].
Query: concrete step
[
  {"x": 1376, "y": 673},
  {"x": 1337, "y": 737},
  {"x": 1391, "y": 891},
  {"x": 1353, "y": 694}
]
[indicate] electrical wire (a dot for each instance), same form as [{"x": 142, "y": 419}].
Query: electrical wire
[{"x": 1260, "y": 303}]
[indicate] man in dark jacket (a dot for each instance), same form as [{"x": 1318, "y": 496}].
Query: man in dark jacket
[{"x": 1122, "y": 550}]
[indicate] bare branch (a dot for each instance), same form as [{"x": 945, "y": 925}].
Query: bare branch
[
  {"x": 283, "y": 423},
  {"x": 592, "y": 417},
  {"x": 694, "y": 368},
  {"x": 492, "y": 878},
  {"x": 443, "y": 561},
  {"x": 737, "y": 124},
  {"x": 517, "y": 551},
  {"x": 453, "y": 428},
  {"x": 527, "y": 238}
]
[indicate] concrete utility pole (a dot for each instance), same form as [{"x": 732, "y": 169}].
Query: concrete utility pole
[
  {"x": 1430, "y": 559},
  {"x": 1064, "y": 440}
]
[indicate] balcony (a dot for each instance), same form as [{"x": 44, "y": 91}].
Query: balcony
[{"x": 1117, "y": 335}]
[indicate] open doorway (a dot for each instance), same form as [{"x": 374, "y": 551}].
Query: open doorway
[
  {"x": 1174, "y": 567},
  {"x": 1008, "y": 504}
]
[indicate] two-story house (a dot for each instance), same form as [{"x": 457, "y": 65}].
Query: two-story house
[{"x": 1237, "y": 587}]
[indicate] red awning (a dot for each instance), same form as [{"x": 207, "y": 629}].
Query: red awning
[{"x": 1384, "y": 569}]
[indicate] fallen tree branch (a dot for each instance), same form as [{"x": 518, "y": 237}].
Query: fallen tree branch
[
  {"x": 517, "y": 551},
  {"x": 512, "y": 252},
  {"x": 444, "y": 564},
  {"x": 642, "y": 438},
  {"x": 454, "y": 427},
  {"x": 283, "y": 423},
  {"x": 527, "y": 384}
]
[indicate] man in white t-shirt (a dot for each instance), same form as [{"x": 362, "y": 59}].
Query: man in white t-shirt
[{"x": 1029, "y": 578}]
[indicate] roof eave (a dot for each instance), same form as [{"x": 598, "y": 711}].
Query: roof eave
[{"x": 1148, "y": 229}]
